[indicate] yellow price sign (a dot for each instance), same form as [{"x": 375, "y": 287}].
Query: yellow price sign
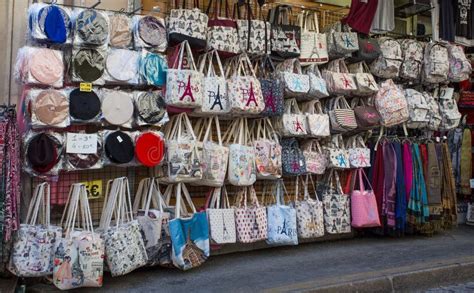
[
  {"x": 85, "y": 87},
  {"x": 94, "y": 189}
]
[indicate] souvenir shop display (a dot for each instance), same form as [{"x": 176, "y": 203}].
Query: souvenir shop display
[
  {"x": 149, "y": 148},
  {"x": 222, "y": 31},
  {"x": 149, "y": 32},
  {"x": 121, "y": 66},
  {"x": 79, "y": 247},
  {"x": 285, "y": 37},
  {"x": 309, "y": 211},
  {"x": 293, "y": 160},
  {"x": 91, "y": 27},
  {"x": 84, "y": 107},
  {"x": 413, "y": 53},
  {"x": 336, "y": 207},
  {"x": 366, "y": 85},
  {"x": 49, "y": 23},
  {"x": 250, "y": 219},
  {"x": 293, "y": 121},
  {"x": 338, "y": 79},
  {"x": 317, "y": 84},
  {"x": 313, "y": 43},
  {"x": 317, "y": 120},
  {"x": 40, "y": 66},
  {"x": 267, "y": 150},
  {"x": 187, "y": 25},
  {"x": 221, "y": 217},
  {"x": 120, "y": 30},
  {"x": 363, "y": 203},
  {"x": 49, "y": 108},
  {"x": 272, "y": 87},
  {"x": 254, "y": 34},
  {"x": 316, "y": 160},
  {"x": 387, "y": 65},
  {"x": 340, "y": 40},
  {"x": 296, "y": 83},
  {"x": 150, "y": 108}
]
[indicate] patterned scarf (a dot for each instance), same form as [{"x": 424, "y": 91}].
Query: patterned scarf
[
  {"x": 448, "y": 191},
  {"x": 466, "y": 162},
  {"x": 433, "y": 180},
  {"x": 418, "y": 210}
]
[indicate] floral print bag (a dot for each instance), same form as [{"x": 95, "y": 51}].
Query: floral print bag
[
  {"x": 34, "y": 244},
  {"x": 79, "y": 258},
  {"x": 316, "y": 159},
  {"x": 267, "y": 150}
]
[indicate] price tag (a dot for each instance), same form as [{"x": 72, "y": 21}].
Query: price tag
[
  {"x": 94, "y": 189},
  {"x": 81, "y": 143},
  {"x": 85, "y": 87}
]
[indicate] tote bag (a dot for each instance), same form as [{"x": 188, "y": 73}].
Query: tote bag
[
  {"x": 184, "y": 86},
  {"x": 317, "y": 121},
  {"x": 309, "y": 211},
  {"x": 337, "y": 212},
  {"x": 124, "y": 247},
  {"x": 272, "y": 87},
  {"x": 148, "y": 208},
  {"x": 221, "y": 217},
  {"x": 254, "y": 34},
  {"x": 34, "y": 244},
  {"x": 245, "y": 93},
  {"x": 78, "y": 260},
  {"x": 222, "y": 31},
  {"x": 338, "y": 155},
  {"x": 366, "y": 84},
  {"x": 363, "y": 204},
  {"x": 267, "y": 150},
  {"x": 296, "y": 83},
  {"x": 183, "y": 161},
  {"x": 341, "y": 115},
  {"x": 359, "y": 153},
  {"x": 366, "y": 114},
  {"x": 215, "y": 99},
  {"x": 313, "y": 44},
  {"x": 241, "y": 168},
  {"x": 187, "y": 25},
  {"x": 317, "y": 85},
  {"x": 338, "y": 79},
  {"x": 285, "y": 37},
  {"x": 391, "y": 104},
  {"x": 250, "y": 220},
  {"x": 281, "y": 220},
  {"x": 293, "y": 160},
  {"x": 189, "y": 232},
  {"x": 316, "y": 159},
  {"x": 341, "y": 41},
  {"x": 292, "y": 123}
]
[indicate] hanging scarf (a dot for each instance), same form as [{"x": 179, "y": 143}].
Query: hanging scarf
[
  {"x": 448, "y": 191},
  {"x": 407, "y": 169},
  {"x": 377, "y": 180},
  {"x": 389, "y": 186},
  {"x": 418, "y": 210},
  {"x": 401, "y": 202},
  {"x": 454, "y": 142},
  {"x": 433, "y": 186},
  {"x": 466, "y": 162}
]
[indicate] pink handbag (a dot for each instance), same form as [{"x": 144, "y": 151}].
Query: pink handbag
[{"x": 363, "y": 204}]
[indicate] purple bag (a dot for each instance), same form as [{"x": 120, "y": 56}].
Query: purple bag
[
  {"x": 367, "y": 116},
  {"x": 272, "y": 88}
]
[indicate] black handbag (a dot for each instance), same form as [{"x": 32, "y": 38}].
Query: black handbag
[
  {"x": 369, "y": 50},
  {"x": 285, "y": 37}
]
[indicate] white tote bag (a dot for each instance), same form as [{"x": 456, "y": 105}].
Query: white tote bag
[
  {"x": 309, "y": 211},
  {"x": 338, "y": 79},
  {"x": 296, "y": 83},
  {"x": 221, "y": 217},
  {"x": 366, "y": 84},
  {"x": 78, "y": 260},
  {"x": 34, "y": 244},
  {"x": 317, "y": 84},
  {"x": 337, "y": 207},
  {"x": 241, "y": 168},
  {"x": 316, "y": 160},
  {"x": 184, "y": 86},
  {"x": 313, "y": 44},
  {"x": 359, "y": 153},
  {"x": 292, "y": 123},
  {"x": 338, "y": 155},
  {"x": 124, "y": 247},
  {"x": 267, "y": 150},
  {"x": 317, "y": 121}
]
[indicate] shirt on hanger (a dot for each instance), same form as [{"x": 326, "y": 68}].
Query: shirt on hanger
[
  {"x": 464, "y": 22},
  {"x": 384, "y": 19},
  {"x": 361, "y": 15}
]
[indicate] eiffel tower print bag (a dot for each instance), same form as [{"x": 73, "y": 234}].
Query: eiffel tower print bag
[
  {"x": 337, "y": 208},
  {"x": 245, "y": 93},
  {"x": 184, "y": 84},
  {"x": 341, "y": 41},
  {"x": 366, "y": 85},
  {"x": 296, "y": 83},
  {"x": 338, "y": 79},
  {"x": 285, "y": 37},
  {"x": 254, "y": 34},
  {"x": 359, "y": 153},
  {"x": 317, "y": 85},
  {"x": 292, "y": 122},
  {"x": 313, "y": 43},
  {"x": 222, "y": 31},
  {"x": 189, "y": 232},
  {"x": 215, "y": 99},
  {"x": 293, "y": 160},
  {"x": 187, "y": 25},
  {"x": 221, "y": 217},
  {"x": 338, "y": 155},
  {"x": 281, "y": 219},
  {"x": 316, "y": 159},
  {"x": 309, "y": 211},
  {"x": 267, "y": 150},
  {"x": 318, "y": 121},
  {"x": 250, "y": 219},
  {"x": 272, "y": 87}
]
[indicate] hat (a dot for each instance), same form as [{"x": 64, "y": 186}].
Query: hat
[
  {"x": 88, "y": 64},
  {"x": 120, "y": 32},
  {"x": 117, "y": 107},
  {"x": 119, "y": 147},
  {"x": 46, "y": 65},
  {"x": 122, "y": 64},
  {"x": 92, "y": 27},
  {"x": 150, "y": 107},
  {"x": 149, "y": 149},
  {"x": 55, "y": 24},
  {"x": 151, "y": 30},
  {"x": 51, "y": 107},
  {"x": 153, "y": 69},
  {"x": 85, "y": 161},
  {"x": 83, "y": 105},
  {"x": 42, "y": 152}
]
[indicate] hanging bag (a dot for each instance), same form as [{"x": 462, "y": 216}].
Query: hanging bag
[
  {"x": 267, "y": 150},
  {"x": 341, "y": 43},
  {"x": 359, "y": 153},
  {"x": 448, "y": 108},
  {"x": 391, "y": 104},
  {"x": 317, "y": 121},
  {"x": 293, "y": 161},
  {"x": 78, "y": 260},
  {"x": 316, "y": 160},
  {"x": 338, "y": 79},
  {"x": 313, "y": 44},
  {"x": 222, "y": 32},
  {"x": 366, "y": 114},
  {"x": 184, "y": 86},
  {"x": 435, "y": 63},
  {"x": 387, "y": 65},
  {"x": 338, "y": 155},
  {"x": 272, "y": 87},
  {"x": 296, "y": 83},
  {"x": 363, "y": 204},
  {"x": 412, "y": 52},
  {"x": 341, "y": 115},
  {"x": 221, "y": 217},
  {"x": 285, "y": 36},
  {"x": 317, "y": 84},
  {"x": 254, "y": 34},
  {"x": 187, "y": 25},
  {"x": 292, "y": 122},
  {"x": 337, "y": 210},
  {"x": 460, "y": 68},
  {"x": 309, "y": 211},
  {"x": 250, "y": 220},
  {"x": 366, "y": 84},
  {"x": 369, "y": 50}
]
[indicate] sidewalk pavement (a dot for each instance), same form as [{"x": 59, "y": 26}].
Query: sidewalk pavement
[{"x": 368, "y": 264}]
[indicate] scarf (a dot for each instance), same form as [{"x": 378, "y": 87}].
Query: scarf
[
  {"x": 389, "y": 189},
  {"x": 418, "y": 210},
  {"x": 466, "y": 162},
  {"x": 449, "y": 201},
  {"x": 377, "y": 180},
  {"x": 407, "y": 169},
  {"x": 454, "y": 143},
  {"x": 433, "y": 185},
  {"x": 401, "y": 200}
]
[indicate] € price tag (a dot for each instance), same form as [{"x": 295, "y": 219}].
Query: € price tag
[
  {"x": 94, "y": 189},
  {"x": 81, "y": 143},
  {"x": 85, "y": 87}
]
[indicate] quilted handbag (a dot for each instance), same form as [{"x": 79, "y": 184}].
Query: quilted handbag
[
  {"x": 338, "y": 155},
  {"x": 293, "y": 160},
  {"x": 149, "y": 209},
  {"x": 391, "y": 104},
  {"x": 250, "y": 220},
  {"x": 187, "y": 25},
  {"x": 80, "y": 247},
  {"x": 34, "y": 245},
  {"x": 281, "y": 219},
  {"x": 124, "y": 247},
  {"x": 369, "y": 50},
  {"x": 189, "y": 231},
  {"x": 364, "y": 208},
  {"x": 221, "y": 217},
  {"x": 366, "y": 114},
  {"x": 267, "y": 150},
  {"x": 359, "y": 153},
  {"x": 313, "y": 43},
  {"x": 222, "y": 32},
  {"x": 241, "y": 167},
  {"x": 341, "y": 41},
  {"x": 182, "y": 157},
  {"x": 296, "y": 83},
  {"x": 184, "y": 86},
  {"x": 244, "y": 90},
  {"x": 285, "y": 37},
  {"x": 341, "y": 115},
  {"x": 387, "y": 65},
  {"x": 316, "y": 160},
  {"x": 272, "y": 87},
  {"x": 366, "y": 84},
  {"x": 318, "y": 122},
  {"x": 309, "y": 211},
  {"x": 317, "y": 84},
  {"x": 336, "y": 206},
  {"x": 338, "y": 79},
  {"x": 254, "y": 34},
  {"x": 292, "y": 122},
  {"x": 215, "y": 99}
]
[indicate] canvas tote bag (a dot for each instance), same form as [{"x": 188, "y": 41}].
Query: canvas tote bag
[
  {"x": 272, "y": 87},
  {"x": 316, "y": 159},
  {"x": 338, "y": 155},
  {"x": 363, "y": 204},
  {"x": 267, "y": 150},
  {"x": 317, "y": 84},
  {"x": 359, "y": 153},
  {"x": 309, "y": 211},
  {"x": 254, "y": 34},
  {"x": 222, "y": 31},
  {"x": 317, "y": 120},
  {"x": 338, "y": 79},
  {"x": 337, "y": 211},
  {"x": 292, "y": 123},
  {"x": 366, "y": 84},
  {"x": 341, "y": 115},
  {"x": 285, "y": 37},
  {"x": 296, "y": 83},
  {"x": 221, "y": 217},
  {"x": 187, "y": 25},
  {"x": 250, "y": 220},
  {"x": 313, "y": 43}
]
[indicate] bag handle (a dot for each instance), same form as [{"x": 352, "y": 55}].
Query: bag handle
[
  {"x": 184, "y": 46},
  {"x": 314, "y": 187},
  {"x": 208, "y": 134},
  {"x": 39, "y": 201},
  {"x": 266, "y": 200},
  {"x": 176, "y": 4},
  {"x": 217, "y": 9},
  {"x": 303, "y": 21},
  {"x": 313, "y": 68},
  {"x": 333, "y": 174},
  {"x": 179, "y": 191},
  {"x": 291, "y": 107}
]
